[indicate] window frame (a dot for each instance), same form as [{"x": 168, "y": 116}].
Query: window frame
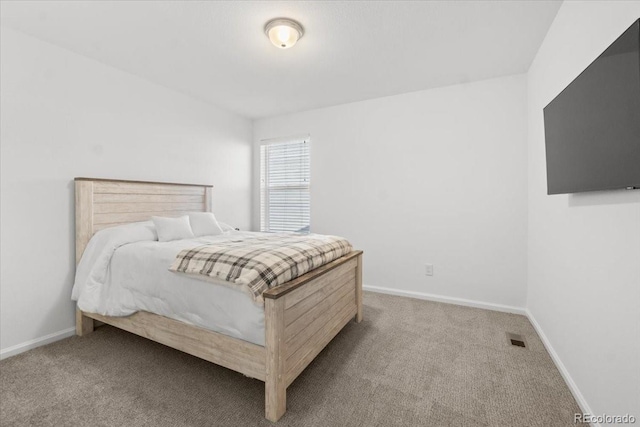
[{"x": 266, "y": 189}]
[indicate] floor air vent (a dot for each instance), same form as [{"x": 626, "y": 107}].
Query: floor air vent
[{"x": 516, "y": 340}]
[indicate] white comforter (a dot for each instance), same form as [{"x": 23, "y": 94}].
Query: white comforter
[{"x": 125, "y": 269}]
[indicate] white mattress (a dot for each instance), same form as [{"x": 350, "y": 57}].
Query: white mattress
[{"x": 137, "y": 277}]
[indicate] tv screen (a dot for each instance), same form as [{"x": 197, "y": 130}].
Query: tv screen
[{"x": 592, "y": 128}]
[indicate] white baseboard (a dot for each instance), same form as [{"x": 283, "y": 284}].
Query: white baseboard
[
  {"x": 28, "y": 345},
  {"x": 447, "y": 300},
  {"x": 582, "y": 402}
]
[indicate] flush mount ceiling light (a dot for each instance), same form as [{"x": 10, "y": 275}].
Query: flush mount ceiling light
[{"x": 283, "y": 32}]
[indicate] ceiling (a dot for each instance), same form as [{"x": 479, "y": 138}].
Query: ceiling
[{"x": 351, "y": 51}]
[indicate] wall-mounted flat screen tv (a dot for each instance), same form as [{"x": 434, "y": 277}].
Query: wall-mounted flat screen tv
[{"x": 592, "y": 128}]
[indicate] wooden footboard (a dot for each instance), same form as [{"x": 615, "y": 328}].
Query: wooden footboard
[{"x": 302, "y": 317}]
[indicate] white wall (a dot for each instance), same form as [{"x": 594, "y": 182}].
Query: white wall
[
  {"x": 63, "y": 116},
  {"x": 436, "y": 176},
  {"x": 584, "y": 249}
]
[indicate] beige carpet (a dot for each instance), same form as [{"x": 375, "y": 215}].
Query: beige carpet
[{"x": 410, "y": 363}]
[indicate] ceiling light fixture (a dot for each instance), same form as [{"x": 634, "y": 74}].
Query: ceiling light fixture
[{"x": 283, "y": 32}]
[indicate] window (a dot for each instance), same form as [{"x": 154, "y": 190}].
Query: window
[{"x": 285, "y": 181}]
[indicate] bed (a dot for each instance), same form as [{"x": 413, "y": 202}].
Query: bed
[{"x": 300, "y": 317}]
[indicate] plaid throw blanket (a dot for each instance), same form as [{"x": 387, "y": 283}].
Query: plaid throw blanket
[{"x": 261, "y": 263}]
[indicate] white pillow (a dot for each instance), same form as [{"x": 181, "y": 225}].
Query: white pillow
[
  {"x": 172, "y": 228},
  {"x": 204, "y": 224}
]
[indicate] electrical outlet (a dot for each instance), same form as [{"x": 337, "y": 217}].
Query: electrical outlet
[{"x": 428, "y": 269}]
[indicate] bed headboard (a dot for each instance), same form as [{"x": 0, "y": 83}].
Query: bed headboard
[{"x": 103, "y": 203}]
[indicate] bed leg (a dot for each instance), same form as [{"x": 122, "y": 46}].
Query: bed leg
[
  {"x": 275, "y": 400},
  {"x": 275, "y": 387},
  {"x": 84, "y": 324},
  {"x": 359, "y": 289}
]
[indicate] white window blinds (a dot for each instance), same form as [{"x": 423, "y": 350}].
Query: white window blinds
[{"x": 285, "y": 179}]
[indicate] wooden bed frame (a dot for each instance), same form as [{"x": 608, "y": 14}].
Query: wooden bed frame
[{"x": 301, "y": 316}]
